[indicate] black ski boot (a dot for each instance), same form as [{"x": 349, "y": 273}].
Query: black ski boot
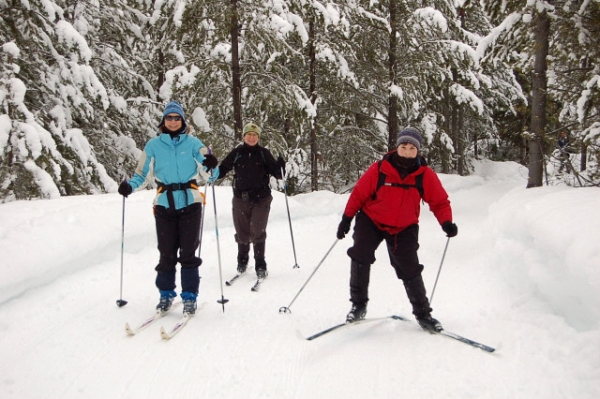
[
  {"x": 260, "y": 265},
  {"x": 261, "y": 273},
  {"x": 242, "y": 266},
  {"x": 430, "y": 324},
  {"x": 164, "y": 305},
  {"x": 359, "y": 290},
  {"x": 415, "y": 289},
  {"x": 166, "y": 300},
  {"x": 358, "y": 312},
  {"x": 242, "y": 258},
  {"x": 189, "y": 307}
]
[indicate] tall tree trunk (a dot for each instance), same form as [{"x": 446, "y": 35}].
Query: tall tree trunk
[
  {"x": 447, "y": 127},
  {"x": 393, "y": 124},
  {"x": 235, "y": 71},
  {"x": 538, "y": 100},
  {"x": 459, "y": 143},
  {"x": 314, "y": 149},
  {"x": 583, "y": 162},
  {"x": 161, "y": 74}
]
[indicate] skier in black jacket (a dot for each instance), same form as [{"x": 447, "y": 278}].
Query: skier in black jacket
[{"x": 253, "y": 165}]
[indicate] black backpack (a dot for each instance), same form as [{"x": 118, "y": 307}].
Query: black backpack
[{"x": 381, "y": 182}]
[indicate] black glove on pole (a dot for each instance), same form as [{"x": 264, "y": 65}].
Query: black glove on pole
[
  {"x": 125, "y": 189},
  {"x": 281, "y": 163},
  {"x": 210, "y": 161},
  {"x": 344, "y": 227},
  {"x": 450, "y": 229}
]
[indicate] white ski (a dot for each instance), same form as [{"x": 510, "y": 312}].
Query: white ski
[
  {"x": 157, "y": 315},
  {"x": 176, "y": 328}
]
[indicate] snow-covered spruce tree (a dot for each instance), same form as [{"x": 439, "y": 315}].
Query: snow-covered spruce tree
[
  {"x": 51, "y": 96},
  {"x": 522, "y": 37},
  {"x": 58, "y": 136},
  {"x": 332, "y": 136},
  {"x": 567, "y": 77},
  {"x": 415, "y": 68},
  {"x": 209, "y": 77},
  {"x": 574, "y": 81},
  {"x": 498, "y": 89},
  {"x": 114, "y": 32}
]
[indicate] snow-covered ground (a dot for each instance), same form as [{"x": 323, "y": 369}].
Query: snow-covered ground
[{"x": 523, "y": 275}]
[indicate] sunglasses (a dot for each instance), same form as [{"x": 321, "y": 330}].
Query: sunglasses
[{"x": 173, "y": 118}]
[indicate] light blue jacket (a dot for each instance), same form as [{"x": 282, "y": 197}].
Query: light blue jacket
[{"x": 171, "y": 161}]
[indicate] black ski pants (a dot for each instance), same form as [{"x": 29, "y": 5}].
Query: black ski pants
[
  {"x": 402, "y": 250},
  {"x": 178, "y": 238}
]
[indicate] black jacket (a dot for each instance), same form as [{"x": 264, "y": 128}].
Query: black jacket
[{"x": 252, "y": 166}]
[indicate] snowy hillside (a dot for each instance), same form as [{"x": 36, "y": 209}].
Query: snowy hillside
[{"x": 523, "y": 275}]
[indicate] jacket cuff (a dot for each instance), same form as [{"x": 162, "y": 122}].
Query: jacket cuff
[{"x": 346, "y": 218}]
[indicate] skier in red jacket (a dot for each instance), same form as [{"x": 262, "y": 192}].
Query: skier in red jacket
[{"x": 386, "y": 203}]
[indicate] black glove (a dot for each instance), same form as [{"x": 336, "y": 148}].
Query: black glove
[
  {"x": 344, "y": 227},
  {"x": 210, "y": 161},
  {"x": 280, "y": 163},
  {"x": 450, "y": 229},
  {"x": 125, "y": 189}
]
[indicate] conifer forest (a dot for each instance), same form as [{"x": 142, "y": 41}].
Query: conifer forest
[{"x": 83, "y": 84}]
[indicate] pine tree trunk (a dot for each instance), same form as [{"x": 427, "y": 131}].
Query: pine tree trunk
[
  {"x": 538, "y": 100},
  {"x": 314, "y": 156},
  {"x": 235, "y": 71},
  {"x": 161, "y": 74},
  {"x": 393, "y": 123}
]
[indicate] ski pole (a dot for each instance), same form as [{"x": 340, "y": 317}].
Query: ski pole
[
  {"x": 222, "y": 301},
  {"x": 439, "y": 270},
  {"x": 289, "y": 218},
  {"x": 121, "y": 302},
  {"x": 202, "y": 219},
  {"x": 286, "y": 309}
]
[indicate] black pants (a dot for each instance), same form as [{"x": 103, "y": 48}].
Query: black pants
[
  {"x": 178, "y": 233},
  {"x": 402, "y": 250}
]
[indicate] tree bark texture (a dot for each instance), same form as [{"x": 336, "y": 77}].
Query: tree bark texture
[
  {"x": 235, "y": 71},
  {"x": 393, "y": 124},
  {"x": 314, "y": 149},
  {"x": 538, "y": 99}
]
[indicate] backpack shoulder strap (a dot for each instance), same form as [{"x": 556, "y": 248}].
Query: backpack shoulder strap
[
  {"x": 419, "y": 184},
  {"x": 381, "y": 181},
  {"x": 238, "y": 155}
]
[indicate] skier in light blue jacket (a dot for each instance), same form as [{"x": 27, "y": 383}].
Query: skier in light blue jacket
[{"x": 175, "y": 159}]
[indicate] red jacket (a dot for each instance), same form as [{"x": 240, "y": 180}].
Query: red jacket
[{"x": 396, "y": 208}]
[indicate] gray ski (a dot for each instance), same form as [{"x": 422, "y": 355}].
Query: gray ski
[{"x": 256, "y": 285}]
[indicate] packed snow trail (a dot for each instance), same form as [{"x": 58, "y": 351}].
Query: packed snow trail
[{"x": 515, "y": 277}]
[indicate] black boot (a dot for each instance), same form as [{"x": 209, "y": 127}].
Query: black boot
[
  {"x": 242, "y": 258},
  {"x": 359, "y": 290},
  {"x": 415, "y": 289},
  {"x": 430, "y": 324},
  {"x": 358, "y": 312},
  {"x": 260, "y": 265},
  {"x": 359, "y": 282}
]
